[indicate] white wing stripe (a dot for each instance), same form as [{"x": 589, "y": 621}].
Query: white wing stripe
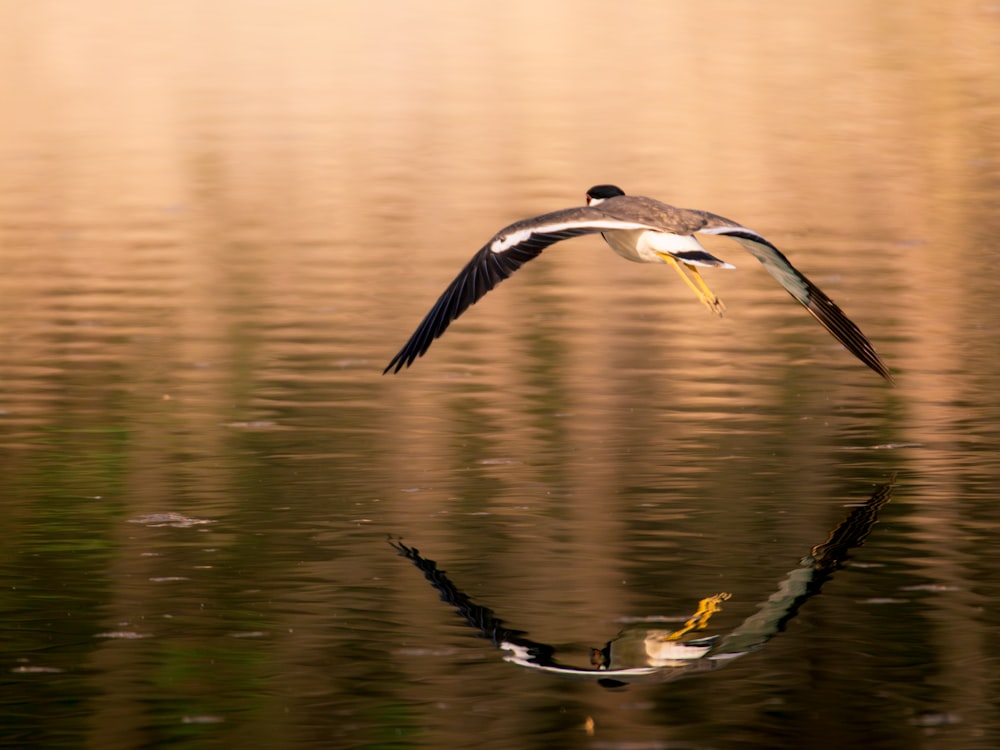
[{"x": 506, "y": 241}]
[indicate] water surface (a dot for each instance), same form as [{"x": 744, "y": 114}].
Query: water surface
[{"x": 219, "y": 223}]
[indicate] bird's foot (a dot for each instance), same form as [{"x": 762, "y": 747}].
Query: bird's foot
[{"x": 714, "y": 304}]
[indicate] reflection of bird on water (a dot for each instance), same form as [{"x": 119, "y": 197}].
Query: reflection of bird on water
[
  {"x": 642, "y": 230},
  {"x": 646, "y": 651}
]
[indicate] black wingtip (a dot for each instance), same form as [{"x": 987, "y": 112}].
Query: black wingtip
[
  {"x": 887, "y": 375},
  {"x": 403, "y": 359},
  {"x": 880, "y": 367},
  {"x": 826, "y": 311}
]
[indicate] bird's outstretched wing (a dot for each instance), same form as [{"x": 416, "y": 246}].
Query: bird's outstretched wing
[
  {"x": 831, "y": 317},
  {"x": 507, "y": 251}
]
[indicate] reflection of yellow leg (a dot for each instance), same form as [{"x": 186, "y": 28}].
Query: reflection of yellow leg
[
  {"x": 697, "y": 285},
  {"x": 706, "y": 608}
]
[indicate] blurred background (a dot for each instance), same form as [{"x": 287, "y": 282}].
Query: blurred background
[{"x": 219, "y": 221}]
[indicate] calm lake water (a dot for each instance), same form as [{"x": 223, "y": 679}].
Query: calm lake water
[{"x": 224, "y": 527}]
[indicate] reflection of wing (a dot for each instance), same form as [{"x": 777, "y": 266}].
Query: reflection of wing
[
  {"x": 852, "y": 531},
  {"x": 831, "y": 317},
  {"x": 507, "y": 251},
  {"x": 481, "y": 618},
  {"x": 804, "y": 582}
]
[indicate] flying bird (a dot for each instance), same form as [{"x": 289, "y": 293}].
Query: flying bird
[{"x": 639, "y": 229}]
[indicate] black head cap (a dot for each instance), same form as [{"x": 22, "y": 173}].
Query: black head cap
[{"x": 603, "y": 192}]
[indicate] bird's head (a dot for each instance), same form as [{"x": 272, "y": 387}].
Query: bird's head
[{"x": 600, "y": 193}]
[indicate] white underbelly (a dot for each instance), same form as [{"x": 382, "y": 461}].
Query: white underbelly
[
  {"x": 642, "y": 245},
  {"x": 631, "y": 245}
]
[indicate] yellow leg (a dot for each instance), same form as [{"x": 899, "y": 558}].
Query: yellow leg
[
  {"x": 713, "y": 302},
  {"x": 698, "y": 285},
  {"x": 706, "y": 608}
]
